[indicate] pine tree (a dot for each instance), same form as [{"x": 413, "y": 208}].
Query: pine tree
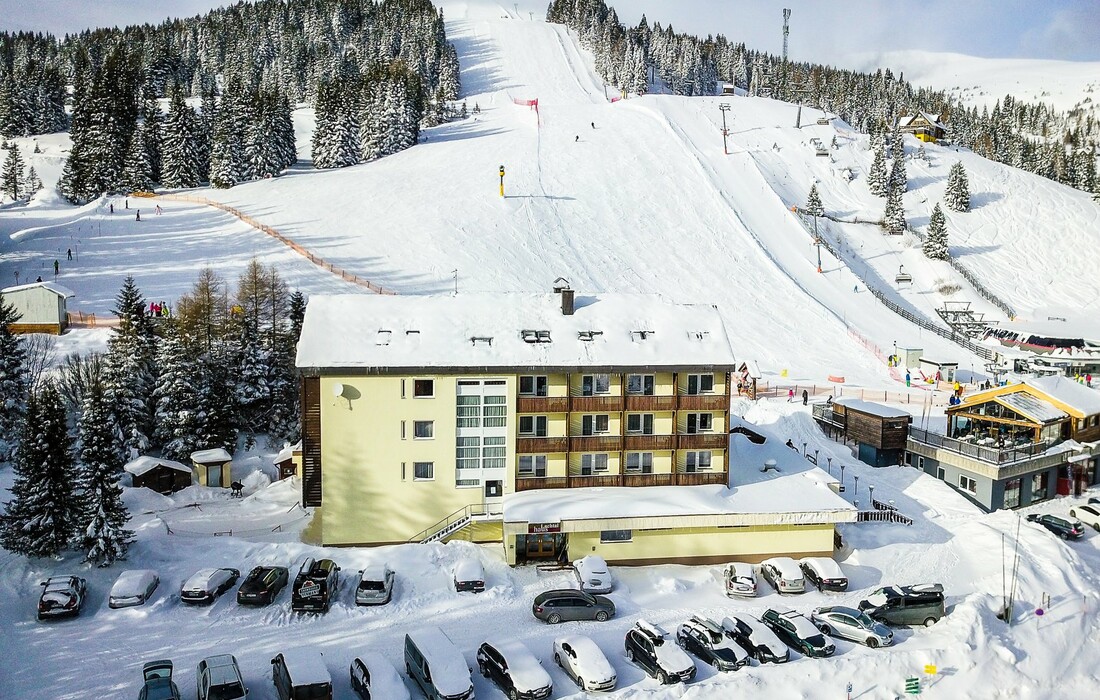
[
  {"x": 877, "y": 181},
  {"x": 177, "y": 395},
  {"x": 101, "y": 528},
  {"x": 898, "y": 179},
  {"x": 137, "y": 171},
  {"x": 935, "y": 241},
  {"x": 33, "y": 183},
  {"x": 11, "y": 177},
  {"x": 894, "y": 217},
  {"x": 129, "y": 374},
  {"x": 179, "y": 148},
  {"x": 44, "y": 506},
  {"x": 921, "y": 153},
  {"x": 813, "y": 203},
  {"x": 13, "y": 379},
  {"x": 957, "y": 194}
]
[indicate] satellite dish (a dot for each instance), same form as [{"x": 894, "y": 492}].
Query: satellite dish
[{"x": 338, "y": 389}]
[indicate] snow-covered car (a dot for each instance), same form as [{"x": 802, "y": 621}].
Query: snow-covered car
[
  {"x": 62, "y": 596},
  {"x": 584, "y": 662},
  {"x": 514, "y": 669},
  {"x": 707, "y": 640},
  {"x": 740, "y": 579},
  {"x": 648, "y": 646},
  {"x": 375, "y": 585},
  {"x": 219, "y": 678},
  {"x": 798, "y": 632},
  {"x": 133, "y": 587},
  {"x": 262, "y": 585},
  {"x": 158, "y": 681},
  {"x": 855, "y": 625},
  {"x": 301, "y": 673},
  {"x": 756, "y": 638},
  {"x": 375, "y": 678},
  {"x": 469, "y": 575},
  {"x": 592, "y": 574},
  {"x": 205, "y": 585},
  {"x": 1089, "y": 515},
  {"x": 824, "y": 573},
  {"x": 436, "y": 665},
  {"x": 783, "y": 574}
]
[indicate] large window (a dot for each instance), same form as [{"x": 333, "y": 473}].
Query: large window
[
  {"x": 423, "y": 429},
  {"x": 469, "y": 411},
  {"x": 698, "y": 461},
  {"x": 595, "y": 425},
  {"x": 1040, "y": 486},
  {"x": 532, "y": 426},
  {"x": 492, "y": 452},
  {"x": 967, "y": 484},
  {"x": 639, "y": 462},
  {"x": 610, "y": 536},
  {"x": 592, "y": 384},
  {"x": 468, "y": 453},
  {"x": 495, "y": 411},
  {"x": 640, "y": 384},
  {"x": 423, "y": 471},
  {"x": 700, "y": 423},
  {"x": 423, "y": 388},
  {"x": 532, "y": 465},
  {"x": 700, "y": 384},
  {"x": 591, "y": 463},
  {"x": 530, "y": 385},
  {"x": 639, "y": 423},
  {"x": 1012, "y": 493}
]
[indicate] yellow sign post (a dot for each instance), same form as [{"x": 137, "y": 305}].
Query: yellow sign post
[
  {"x": 502, "y": 181},
  {"x": 930, "y": 669}
]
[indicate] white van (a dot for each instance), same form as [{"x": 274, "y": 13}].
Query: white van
[{"x": 437, "y": 666}]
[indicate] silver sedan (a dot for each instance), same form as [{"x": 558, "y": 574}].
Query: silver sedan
[{"x": 852, "y": 624}]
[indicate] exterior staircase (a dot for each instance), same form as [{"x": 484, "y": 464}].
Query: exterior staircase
[{"x": 458, "y": 520}]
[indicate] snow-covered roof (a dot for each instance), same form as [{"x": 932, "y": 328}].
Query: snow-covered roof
[
  {"x": 132, "y": 582},
  {"x": 932, "y": 119},
  {"x": 1069, "y": 392},
  {"x": 469, "y": 569},
  {"x": 1031, "y": 406},
  {"x": 787, "y": 567},
  {"x": 870, "y": 408},
  {"x": 217, "y": 454},
  {"x": 524, "y": 669},
  {"x": 287, "y": 452},
  {"x": 386, "y": 333},
  {"x": 824, "y": 566},
  {"x": 384, "y": 680},
  {"x": 938, "y": 363},
  {"x": 145, "y": 463},
  {"x": 449, "y": 669},
  {"x": 54, "y": 287},
  {"x": 306, "y": 666}
]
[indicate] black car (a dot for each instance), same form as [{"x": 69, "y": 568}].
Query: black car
[
  {"x": 1066, "y": 529},
  {"x": 62, "y": 596},
  {"x": 705, "y": 639},
  {"x": 262, "y": 585},
  {"x": 755, "y": 637},
  {"x": 315, "y": 585},
  {"x": 569, "y": 604},
  {"x": 922, "y": 604},
  {"x": 647, "y": 646},
  {"x": 798, "y": 633},
  {"x": 514, "y": 669}
]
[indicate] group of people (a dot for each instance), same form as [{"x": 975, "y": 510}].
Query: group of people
[{"x": 159, "y": 310}]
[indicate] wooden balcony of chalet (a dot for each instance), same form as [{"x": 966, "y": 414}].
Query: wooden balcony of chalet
[
  {"x": 630, "y": 479},
  {"x": 642, "y": 402},
  {"x": 704, "y": 402},
  {"x": 703, "y": 441},
  {"x": 701, "y": 478},
  {"x": 596, "y": 443},
  {"x": 596, "y": 404},
  {"x": 542, "y": 404},
  {"x": 650, "y": 442},
  {"x": 541, "y": 445}
]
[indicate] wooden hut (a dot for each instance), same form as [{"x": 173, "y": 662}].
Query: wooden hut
[
  {"x": 289, "y": 460},
  {"x": 161, "y": 475},
  {"x": 880, "y": 432},
  {"x": 213, "y": 467},
  {"x": 42, "y": 307}
]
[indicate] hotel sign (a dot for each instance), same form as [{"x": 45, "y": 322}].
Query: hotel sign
[{"x": 542, "y": 528}]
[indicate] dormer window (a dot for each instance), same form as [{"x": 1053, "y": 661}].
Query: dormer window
[
  {"x": 383, "y": 337},
  {"x": 588, "y": 336},
  {"x": 698, "y": 335},
  {"x": 638, "y": 336},
  {"x": 481, "y": 340},
  {"x": 531, "y": 336}
]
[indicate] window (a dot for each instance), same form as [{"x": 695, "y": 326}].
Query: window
[
  {"x": 920, "y": 462},
  {"x": 1040, "y": 484},
  {"x": 423, "y": 388},
  {"x": 469, "y": 411},
  {"x": 595, "y": 425},
  {"x": 967, "y": 484},
  {"x": 592, "y": 384},
  {"x": 532, "y": 465},
  {"x": 941, "y": 474},
  {"x": 533, "y": 426},
  {"x": 492, "y": 452},
  {"x": 495, "y": 411},
  {"x": 422, "y": 429},
  {"x": 639, "y": 384},
  {"x": 467, "y": 452},
  {"x": 639, "y": 462},
  {"x": 698, "y": 461},
  {"x": 610, "y": 536},
  {"x": 423, "y": 471},
  {"x": 1012, "y": 493},
  {"x": 640, "y": 423},
  {"x": 530, "y": 336},
  {"x": 700, "y": 384},
  {"x": 530, "y": 385},
  {"x": 593, "y": 463},
  {"x": 699, "y": 423}
]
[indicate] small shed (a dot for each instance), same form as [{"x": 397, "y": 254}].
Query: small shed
[
  {"x": 213, "y": 467},
  {"x": 935, "y": 370},
  {"x": 41, "y": 305},
  {"x": 289, "y": 460},
  {"x": 729, "y": 89},
  {"x": 161, "y": 475},
  {"x": 879, "y": 431}
]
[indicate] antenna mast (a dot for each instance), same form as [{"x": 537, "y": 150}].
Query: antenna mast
[{"x": 786, "y": 31}]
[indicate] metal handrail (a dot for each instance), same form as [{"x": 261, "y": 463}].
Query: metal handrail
[
  {"x": 465, "y": 513},
  {"x": 984, "y": 454}
]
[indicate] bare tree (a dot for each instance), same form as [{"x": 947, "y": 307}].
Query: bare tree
[
  {"x": 40, "y": 353},
  {"x": 75, "y": 375}
]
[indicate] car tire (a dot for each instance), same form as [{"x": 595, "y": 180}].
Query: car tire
[
  {"x": 872, "y": 642},
  {"x": 1064, "y": 535},
  {"x": 513, "y": 694},
  {"x": 580, "y": 682},
  {"x": 825, "y": 629},
  {"x": 408, "y": 670},
  {"x": 629, "y": 651},
  {"x": 553, "y": 618},
  {"x": 1073, "y": 514},
  {"x": 484, "y": 671},
  {"x": 557, "y": 659},
  {"x": 601, "y": 616},
  {"x": 662, "y": 677},
  {"x": 929, "y": 622},
  {"x": 1096, "y": 526}
]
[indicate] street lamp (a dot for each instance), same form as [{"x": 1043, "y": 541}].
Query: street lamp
[
  {"x": 842, "y": 477},
  {"x": 855, "y": 489},
  {"x": 803, "y": 449},
  {"x": 830, "y": 461},
  {"x": 871, "y": 493}
]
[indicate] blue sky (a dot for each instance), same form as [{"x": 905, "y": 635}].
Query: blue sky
[{"x": 821, "y": 30}]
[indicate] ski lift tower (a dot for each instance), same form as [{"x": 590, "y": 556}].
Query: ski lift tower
[{"x": 786, "y": 31}]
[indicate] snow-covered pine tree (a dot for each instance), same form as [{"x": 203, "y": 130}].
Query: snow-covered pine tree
[
  {"x": 44, "y": 506},
  {"x": 137, "y": 172},
  {"x": 894, "y": 217},
  {"x": 13, "y": 379},
  {"x": 898, "y": 179},
  {"x": 179, "y": 148},
  {"x": 177, "y": 395},
  {"x": 877, "y": 179},
  {"x": 11, "y": 176},
  {"x": 935, "y": 240},
  {"x": 227, "y": 151},
  {"x": 129, "y": 372},
  {"x": 332, "y": 135},
  {"x": 33, "y": 183},
  {"x": 957, "y": 194},
  {"x": 897, "y": 142},
  {"x": 921, "y": 153},
  {"x": 813, "y": 203},
  {"x": 101, "y": 525}
]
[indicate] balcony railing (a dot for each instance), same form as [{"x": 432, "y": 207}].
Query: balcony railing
[
  {"x": 542, "y": 404},
  {"x": 596, "y": 403},
  {"x": 703, "y": 441},
  {"x": 527, "y": 483},
  {"x": 991, "y": 455},
  {"x": 701, "y": 478},
  {"x": 589, "y": 481},
  {"x": 704, "y": 402},
  {"x": 596, "y": 443},
  {"x": 650, "y": 442},
  {"x": 541, "y": 445},
  {"x": 629, "y": 480},
  {"x": 647, "y": 479},
  {"x": 639, "y": 402}
]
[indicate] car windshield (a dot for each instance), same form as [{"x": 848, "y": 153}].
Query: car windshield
[
  {"x": 230, "y": 691},
  {"x": 714, "y": 637},
  {"x": 865, "y": 620},
  {"x": 313, "y": 692},
  {"x": 877, "y": 598},
  {"x": 372, "y": 586}
]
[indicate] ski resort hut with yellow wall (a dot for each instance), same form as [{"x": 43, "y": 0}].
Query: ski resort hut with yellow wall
[
  {"x": 926, "y": 127},
  {"x": 42, "y": 307}
]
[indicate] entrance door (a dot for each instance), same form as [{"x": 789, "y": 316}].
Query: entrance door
[{"x": 543, "y": 546}]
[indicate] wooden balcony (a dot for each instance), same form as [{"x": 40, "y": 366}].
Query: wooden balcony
[
  {"x": 701, "y": 478},
  {"x": 527, "y": 483},
  {"x": 594, "y": 404},
  {"x": 703, "y": 441},
  {"x": 648, "y": 479},
  {"x": 541, "y": 445},
  {"x": 578, "y": 482},
  {"x": 542, "y": 404},
  {"x": 650, "y": 442},
  {"x": 638, "y": 402},
  {"x": 704, "y": 402},
  {"x": 596, "y": 443}
]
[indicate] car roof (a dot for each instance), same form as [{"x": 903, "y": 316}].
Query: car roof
[
  {"x": 741, "y": 568},
  {"x": 838, "y": 609},
  {"x": 223, "y": 669},
  {"x": 306, "y": 666},
  {"x": 375, "y": 572},
  {"x": 469, "y": 568},
  {"x": 786, "y": 566},
  {"x": 592, "y": 563},
  {"x": 132, "y": 579},
  {"x": 823, "y": 565},
  {"x": 561, "y": 593},
  {"x": 59, "y": 583}
]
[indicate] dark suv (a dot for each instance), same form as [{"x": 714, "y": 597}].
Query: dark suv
[
  {"x": 62, "y": 596},
  {"x": 1066, "y": 529},
  {"x": 648, "y": 646},
  {"x": 906, "y": 605},
  {"x": 570, "y": 604},
  {"x": 514, "y": 669},
  {"x": 315, "y": 585}
]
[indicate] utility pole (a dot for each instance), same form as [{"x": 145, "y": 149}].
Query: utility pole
[
  {"x": 502, "y": 181},
  {"x": 786, "y": 31},
  {"x": 455, "y": 273},
  {"x": 817, "y": 242},
  {"x": 725, "y": 132}
]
